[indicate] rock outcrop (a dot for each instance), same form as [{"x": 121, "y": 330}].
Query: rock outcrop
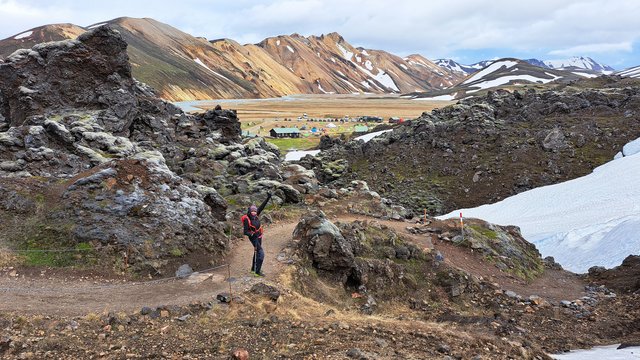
[{"x": 88, "y": 155}]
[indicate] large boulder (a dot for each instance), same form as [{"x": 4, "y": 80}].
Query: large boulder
[
  {"x": 323, "y": 242},
  {"x": 91, "y": 72},
  {"x": 223, "y": 121}
]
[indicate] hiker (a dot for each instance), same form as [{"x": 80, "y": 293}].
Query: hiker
[{"x": 253, "y": 230}]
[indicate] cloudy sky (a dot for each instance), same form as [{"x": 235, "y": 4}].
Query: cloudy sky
[{"x": 465, "y": 30}]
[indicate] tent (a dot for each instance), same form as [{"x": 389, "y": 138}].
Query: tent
[{"x": 331, "y": 125}]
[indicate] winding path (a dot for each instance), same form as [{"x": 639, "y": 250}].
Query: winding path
[{"x": 57, "y": 295}]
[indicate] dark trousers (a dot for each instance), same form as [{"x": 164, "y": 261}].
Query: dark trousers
[{"x": 258, "y": 255}]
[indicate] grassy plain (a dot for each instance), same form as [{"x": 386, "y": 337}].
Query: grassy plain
[{"x": 258, "y": 116}]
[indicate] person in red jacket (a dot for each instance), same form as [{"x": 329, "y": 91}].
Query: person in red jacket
[{"x": 253, "y": 229}]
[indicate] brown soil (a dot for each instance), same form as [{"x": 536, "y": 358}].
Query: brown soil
[{"x": 77, "y": 292}]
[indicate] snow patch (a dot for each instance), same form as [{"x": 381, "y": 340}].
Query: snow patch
[
  {"x": 298, "y": 154},
  {"x": 345, "y": 53},
  {"x": 593, "y": 220},
  {"x": 506, "y": 79},
  {"x": 96, "y": 25},
  {"x": 404, "y": 66},
  {"x": 631, "y": 148},
  {"x": 489, "y": 69},
  {"x": 290, "y": 49},
  {"x": 609, "y": 352},
  {"x": 364, "y": 52},
  {"x": 370, "y": 136},
  {"x": 321, "y": 89},
  {"x": 368, "y": 65},
  {"x": 633, "y": 72},
  {"x": 206, "y": 67},
  {"x": 350, "y": 84},
  {"x": 277, "y": 42},
  {"x": 587, "y": 75},
  {"x": 23, "y": 35}
]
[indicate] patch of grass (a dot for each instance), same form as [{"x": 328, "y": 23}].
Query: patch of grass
[
  {"x": 302, "y": 143},
  {"x": 176, "y": 252},
  {"x": 39, "y": 198},
  {"x": 488, "y": 233},
  {"x": 84, "y": 255}
]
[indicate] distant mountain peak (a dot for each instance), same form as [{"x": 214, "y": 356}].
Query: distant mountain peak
[{"x": 579, "y": 62}]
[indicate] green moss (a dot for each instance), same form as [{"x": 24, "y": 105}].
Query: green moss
[
  {"x": 488, "y": 233},
  {"x": 176, "y": 252},
  {"x": 83, "y": 255}
]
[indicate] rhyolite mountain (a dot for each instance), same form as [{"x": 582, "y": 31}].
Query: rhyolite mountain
[{"x": 180, "y": 66}]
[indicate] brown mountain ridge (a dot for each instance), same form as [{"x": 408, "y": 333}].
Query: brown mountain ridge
[{"x": 184, "y": 67}]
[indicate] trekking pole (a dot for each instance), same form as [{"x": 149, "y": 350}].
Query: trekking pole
[{"x": 229, "y": 280}]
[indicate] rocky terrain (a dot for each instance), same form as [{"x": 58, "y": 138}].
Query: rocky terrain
[
  {"x": 364, "y": 289},
  {"x": 181, "y": 66},
  {"x": 484, "y": 149},
  {"x": 89, "y": 155}
]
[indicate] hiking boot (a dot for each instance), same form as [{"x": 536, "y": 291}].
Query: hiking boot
[{"x": 259, "y": 274}]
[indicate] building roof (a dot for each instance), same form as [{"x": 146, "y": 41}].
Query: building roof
[{"x": 285, "y": 130}]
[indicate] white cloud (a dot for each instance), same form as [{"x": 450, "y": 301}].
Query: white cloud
[{"x": 593, "y": 48}]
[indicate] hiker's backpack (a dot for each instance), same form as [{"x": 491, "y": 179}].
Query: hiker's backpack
[{"x": 251, "y": 227}]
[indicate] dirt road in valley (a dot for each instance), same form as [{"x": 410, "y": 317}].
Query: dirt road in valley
[{"x": 57, "y": 294}]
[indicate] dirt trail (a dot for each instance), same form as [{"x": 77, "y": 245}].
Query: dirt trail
[
  {"x": 78, "y": 296},
  {"x": 56, "y": 295}
]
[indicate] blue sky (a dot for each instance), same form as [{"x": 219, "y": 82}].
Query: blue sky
[{"x": 465, "y": 30}]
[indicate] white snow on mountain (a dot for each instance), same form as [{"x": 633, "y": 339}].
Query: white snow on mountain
[
  {"x": 369, "y": 136},
  {"x": 447, "y": 97},
  {"x": 587, "y": 75},
  {"x": 571, "y": 64},
  {"x": 489, "y": 69},
  {"x": 380, "y": 76},
  {"x": 454, "y": 66},
  {"x": 579, "y": 62},
  {"x": 23, "y": 35},
  {"x": 633, "y": 72},
  {"x": 506, "y": 79},
  {"x": 588, "y": 221},
  {"x": 96, "y": 25},
  {"x": 197, "y": 60}
]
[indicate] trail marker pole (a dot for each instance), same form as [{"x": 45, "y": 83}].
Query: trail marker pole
[
  {"x": 461, "y": 226},
  {"x": 425, "y": 216}
]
